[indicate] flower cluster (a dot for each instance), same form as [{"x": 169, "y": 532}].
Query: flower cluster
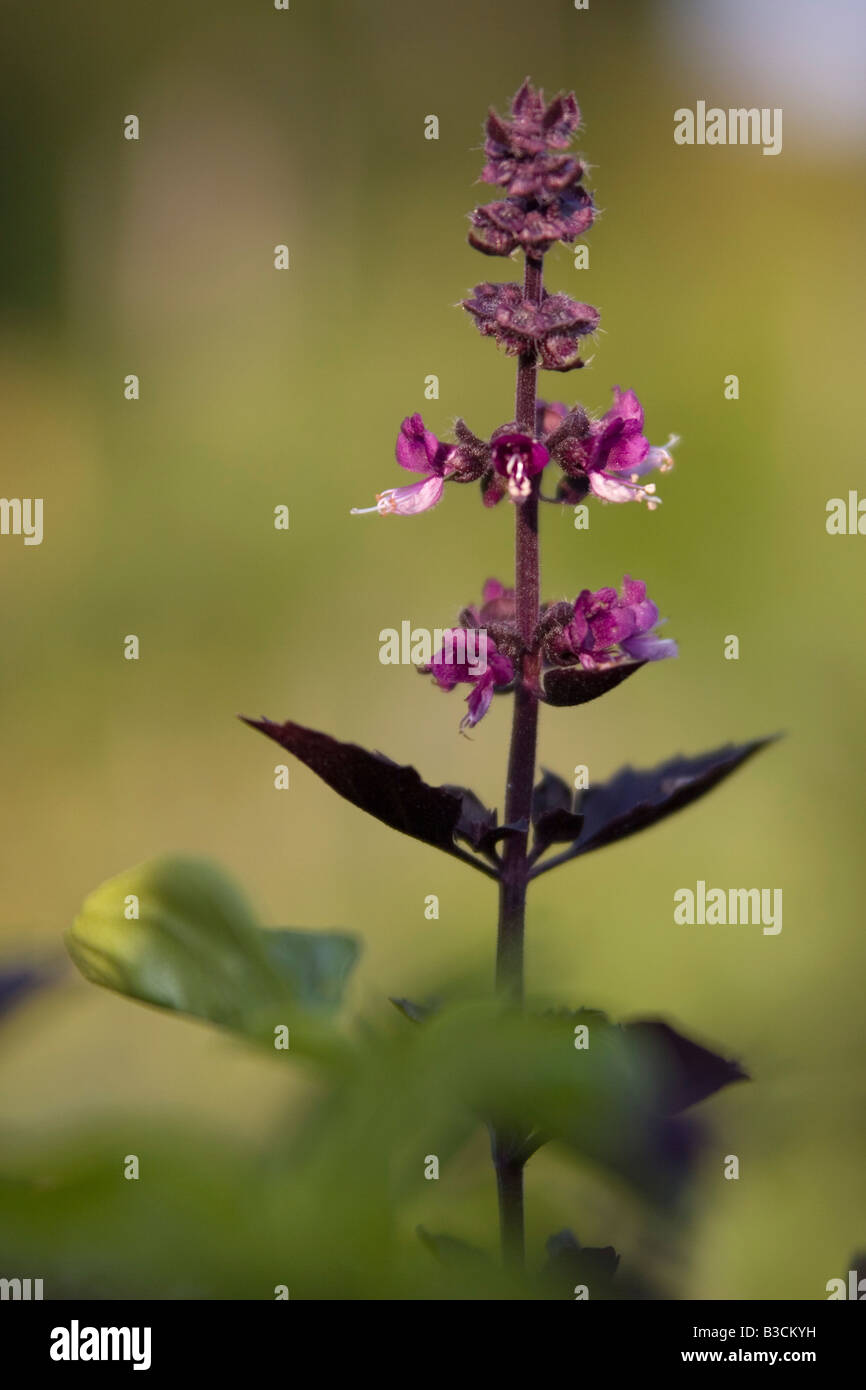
[
  {"x": 492, "y": 671},
  {"x": 604, "y": 628},
  {"x": 598, "y": 631},
  {"x": 609, "y": 457},
  {"x": 527, "y": 154},
  {"x": 546, "y": 201},
  {"x": 500, "y": 228}
]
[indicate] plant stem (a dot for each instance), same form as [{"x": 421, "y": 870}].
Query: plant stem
[
  {"x": 509, "y": 1190},
  {"x": 518, "y": 792}
]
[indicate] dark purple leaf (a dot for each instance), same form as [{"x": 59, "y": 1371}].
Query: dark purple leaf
[
  {"x": 553, "y": 819},
  {"x": 552, "y": 793},
  {"x": 656, "y": 1147},
  {"x": 570, "y": 1263},
  {"x": 20, "y": 981},
  {"x": 477, "y": 825},
  {"x": 684, "y": 1072},
  {"x": 572, "y": 685},
  {"x": 393, "y": 793},
  {"x": 556, "y": 828},
  {"x": 634, "y": 799},
  {"x": 505, "y": 832},
  {"x": 416, "y": 1013}
]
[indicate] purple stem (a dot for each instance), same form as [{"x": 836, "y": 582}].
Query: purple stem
[{"x": 515, "y": 872}]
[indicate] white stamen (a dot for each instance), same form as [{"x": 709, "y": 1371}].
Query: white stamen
[
  {"x": 385, "y": 504},
  {"x": 518, "y": 483}
]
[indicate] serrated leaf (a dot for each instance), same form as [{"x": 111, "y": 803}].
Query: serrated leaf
[
  {"x": 635, "y": 799},
  {"x": 683, "y": 1072},
  {"x": 392, "y": 792}
]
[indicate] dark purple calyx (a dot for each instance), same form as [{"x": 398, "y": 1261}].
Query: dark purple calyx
[
  {"x": 526, "y": 155},
  {"x": 550, "y": 331}
]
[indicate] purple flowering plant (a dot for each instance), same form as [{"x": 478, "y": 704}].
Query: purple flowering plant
[
  {"x": 619, "y": 1101},
  {"x": 559, "y": 653}
]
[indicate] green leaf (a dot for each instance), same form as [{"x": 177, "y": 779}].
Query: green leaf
[
  {"x": 523, "y": 1074},
  {"x": 317, "y": 964},
  {"x": 177, "y": 933},
  {"x": 451, "y": 1250}
]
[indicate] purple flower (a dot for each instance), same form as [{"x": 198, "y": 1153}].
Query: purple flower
[
  {"x": 518, "y": 459},
  {"x": 607, "y": 456},
  {"x": 619, "y": 451},
  {"x": 488, "y": 669},
  {"x": 498, "y": 605},
  {"x": 605, "y": 629},
  {"x": 418, "y": 451}
]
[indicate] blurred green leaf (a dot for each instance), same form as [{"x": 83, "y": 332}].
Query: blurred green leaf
[
  {"x": 523, "y": 1074},
  {"x": 316, "y": 964},
  {"x": 416, "y": 1013},
  {"x": 177, "y": 933},
  {"x": 450, "y": 1249}
]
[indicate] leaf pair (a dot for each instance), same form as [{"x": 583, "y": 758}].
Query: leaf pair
[{"x": 450, "y": 817}]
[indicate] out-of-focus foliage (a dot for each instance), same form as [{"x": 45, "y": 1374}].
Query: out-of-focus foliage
[{"x": 177, "y": 933}]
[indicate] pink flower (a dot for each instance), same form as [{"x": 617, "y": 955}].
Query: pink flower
[
  {"x": 418, "y": 451},
  {"x": 606, "y": 629},
  {"x": 490, "y": 668},
  {"x": 518, "y": 459},
  {"x": 618, "y": 455}
]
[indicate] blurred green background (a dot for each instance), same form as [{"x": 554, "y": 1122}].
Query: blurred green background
[{"x": 258, "y": 388}]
